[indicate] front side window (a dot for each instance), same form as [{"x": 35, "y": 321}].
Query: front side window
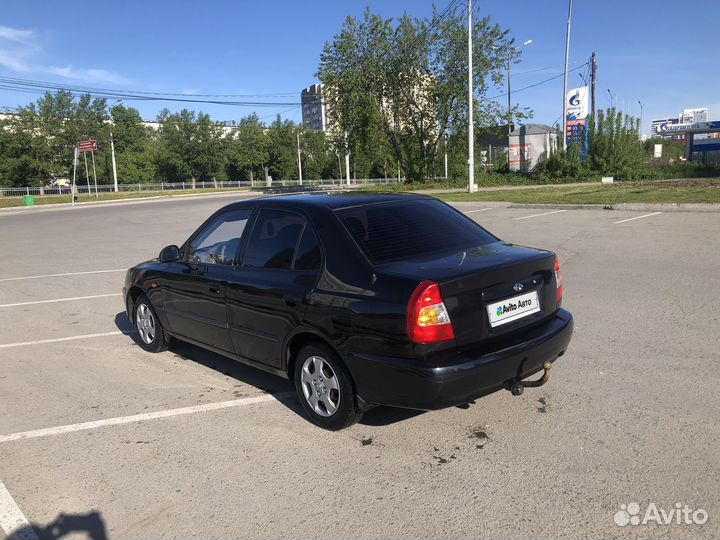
[
  {"x": 273, "y": 240},
  {"x": 219, "y": 241}
]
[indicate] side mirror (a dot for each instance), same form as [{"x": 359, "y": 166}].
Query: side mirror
[{"x": 170, "y": 254}]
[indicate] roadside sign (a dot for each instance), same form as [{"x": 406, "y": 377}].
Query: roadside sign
[
  {"x": 577, "y": 103},
  {"x": 87, "y": 146}
]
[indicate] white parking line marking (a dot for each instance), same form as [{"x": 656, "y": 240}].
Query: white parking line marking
[
  {"x": 12, "y": 520},
  {"x": 59, "y": 300},
  {"x": 637, "y": 217},
  {"x": 18, "y": 278},
  {"x": 58, "y": 340},
  {"x": 538, "y": 215},
  {"x": 473, "y": 211},
  {"x": 141, "y": 417}
]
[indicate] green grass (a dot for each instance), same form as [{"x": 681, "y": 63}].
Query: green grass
[
  {"x": 483, "y": 179},
  {"x": 8, "y": 202},
  {"x": 685, "y": 191},
  {"x": 673, "y": 191}
]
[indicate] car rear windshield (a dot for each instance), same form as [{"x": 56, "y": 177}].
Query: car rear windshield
[{"x": 407, "y": 229}]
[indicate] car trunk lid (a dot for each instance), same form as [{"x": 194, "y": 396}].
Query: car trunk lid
[{"x": 514, "y": 279}]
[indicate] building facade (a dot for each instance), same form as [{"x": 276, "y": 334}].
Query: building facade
[
  {"x": 530, "y": 145},
  {"x": 314, "y": 108},
  {"x": 667, "y": 128}
]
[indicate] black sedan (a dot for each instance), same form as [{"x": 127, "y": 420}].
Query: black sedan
[{"x": 360, "y": 299}]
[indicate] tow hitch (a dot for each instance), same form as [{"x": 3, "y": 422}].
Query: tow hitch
[{"x": 517, "y": 387}]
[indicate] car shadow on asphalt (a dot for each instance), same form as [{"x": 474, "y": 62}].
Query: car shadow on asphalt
[
  {"x": 283, "y": 389},
  {"x": 92, "y": 524}
]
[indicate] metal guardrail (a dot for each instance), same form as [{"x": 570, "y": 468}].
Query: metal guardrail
[{"x": 84, "y": 189}]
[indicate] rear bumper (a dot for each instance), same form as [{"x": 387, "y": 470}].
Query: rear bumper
[{"x": 459, "y": 376}]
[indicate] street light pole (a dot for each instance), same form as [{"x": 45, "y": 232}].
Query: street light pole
[
  {"x": 446, "y": 157},
  {"x": 509, "y": 114},
  {"x": 114, "y": 166},
  {"x": 565, "y": 78},
  {"x": 299, "y": 160},
  {"x": 112, "y": 151},
  {"x": 471, "y": 138},
  {"x": 642, "y": 106},
  {"x": 509, "y": 105},
  {"x": 612, "y": 98}
]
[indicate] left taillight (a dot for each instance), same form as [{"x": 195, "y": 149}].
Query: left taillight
[
  {"x": 428, "y": 320},
  {"x": 558, "y": 280}
]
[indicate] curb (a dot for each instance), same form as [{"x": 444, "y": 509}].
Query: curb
[{"x": 129, "y": 200}]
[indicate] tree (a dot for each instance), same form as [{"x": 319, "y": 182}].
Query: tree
[
  {"x": 614, "y": 145},
  {"x": 48, "y": 130},
  {"x": 190, "y": 147},
  {"x": 247, "y": 150},
  {"x": 135, "y": 149},
  {"x": 318, "y": 159},
  {"x": 282, "y": 160},
  {"x": 414, "y": 72}
]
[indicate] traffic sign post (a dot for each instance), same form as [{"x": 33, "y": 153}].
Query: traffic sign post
[
  {"x": 84, "y": 147},
  {"x": 87, "y": 146}
]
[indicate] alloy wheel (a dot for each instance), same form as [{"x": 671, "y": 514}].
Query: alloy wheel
[
  {"x": 145, "y": 323},
  {"x": 320, "y": 386}
]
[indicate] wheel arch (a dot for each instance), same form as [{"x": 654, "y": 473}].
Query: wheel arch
[
  {"x": 132, "y": 295},
  {"x": 298, "y": 340}
]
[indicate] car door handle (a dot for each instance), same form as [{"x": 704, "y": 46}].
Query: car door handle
[
  {"x": 291, "y": 300},
  {"x": 215, "y": 289}
]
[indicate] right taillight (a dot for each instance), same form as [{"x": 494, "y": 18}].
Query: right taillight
[
  {"x": 558, "y": 280},
  {"x": 428, "y": 320}
]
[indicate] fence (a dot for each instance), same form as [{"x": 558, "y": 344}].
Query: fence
[{"x": 84, "y": 189}]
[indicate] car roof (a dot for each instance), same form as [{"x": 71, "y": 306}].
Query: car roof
[{"x": 333, "y": 200}]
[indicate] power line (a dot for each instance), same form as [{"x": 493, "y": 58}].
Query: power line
[
  {"x": 540, "y": 82},
  {"x": 40, "y": 87},
  {"x": 29, "y": 86},
  {"x": 90, "y": 89}
]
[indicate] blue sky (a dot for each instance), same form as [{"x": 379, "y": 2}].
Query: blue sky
[{"x": 661, "y": 52}]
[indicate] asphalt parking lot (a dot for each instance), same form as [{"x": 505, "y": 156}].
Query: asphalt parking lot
[{"x": 187, "y": 444}]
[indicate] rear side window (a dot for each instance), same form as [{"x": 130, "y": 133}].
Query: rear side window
[
  {"x": 273, "y": 240},
  {"x": 308, "y": 255},
  {"x": 406, "y": 229}
]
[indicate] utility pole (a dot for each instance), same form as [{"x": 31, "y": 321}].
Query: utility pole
[
  {"x": 593, "y": 79},
  {"x": 446, "y": 161},
  {"x": 471, "y": 138},
  {"x": 299, "y": 160},
  {"x": 565, "y": 79}
]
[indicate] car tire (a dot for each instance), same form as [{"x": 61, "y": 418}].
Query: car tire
[
  {"x": 325, "y": 388},
  {"x": 150, "y": 332}
]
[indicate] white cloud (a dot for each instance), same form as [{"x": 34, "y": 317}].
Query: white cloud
[
  {"x": 13, "y": 62},
  {"x": 24, "y": 37},
  {"x": 189, "y": 91},
  {"x": 19, "y": 47},
  {"x": 84, "y": 75}
]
